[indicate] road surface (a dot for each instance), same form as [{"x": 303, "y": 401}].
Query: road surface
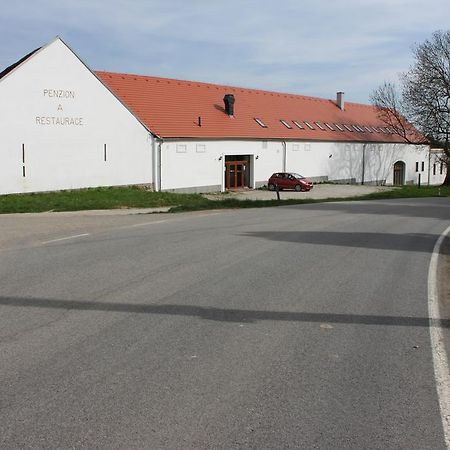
[{"x": 291, "y": 327}]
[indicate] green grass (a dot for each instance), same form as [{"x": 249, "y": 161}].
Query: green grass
[
  {"x": 97, "y": 198},
  {"x": 133, "y": 197}
]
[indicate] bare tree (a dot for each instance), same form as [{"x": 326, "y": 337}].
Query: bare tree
[{"x": 421, "y": 111}]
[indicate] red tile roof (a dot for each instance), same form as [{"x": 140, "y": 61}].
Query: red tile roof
[{"x": 171, "y": 109}]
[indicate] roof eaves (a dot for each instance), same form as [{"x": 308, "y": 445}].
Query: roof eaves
[{"x": 17, "y": 63}]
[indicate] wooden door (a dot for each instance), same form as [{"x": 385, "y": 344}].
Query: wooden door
[
  {"x": 235, "y": 174},
  {"x": 399, "y": 173}
]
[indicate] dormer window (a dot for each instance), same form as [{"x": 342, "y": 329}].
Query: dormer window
[
  {"x": 286, "y": 124},
  {"x": 260, "y": 122}
]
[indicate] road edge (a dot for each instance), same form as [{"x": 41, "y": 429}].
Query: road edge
[{"x": 440, "y": 361}]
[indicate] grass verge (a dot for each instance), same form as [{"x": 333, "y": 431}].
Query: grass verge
[{"x": 132, "y": 197}]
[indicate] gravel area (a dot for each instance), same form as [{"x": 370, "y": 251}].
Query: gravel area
[{"x": 319, "y": 191}]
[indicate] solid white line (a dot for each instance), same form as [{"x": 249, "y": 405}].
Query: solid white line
[
  {"x": 65, "y": 238},
  {"x": 440, "y": 361}
]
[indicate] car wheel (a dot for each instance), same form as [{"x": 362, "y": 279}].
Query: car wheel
[
  {"x": 298, "y": 188},
  {"x": 271, "y": 187}
]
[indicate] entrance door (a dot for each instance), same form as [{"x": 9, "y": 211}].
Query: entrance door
[
  {"x": 235, "y": 172},
  {"x": 399, "y": 173}
]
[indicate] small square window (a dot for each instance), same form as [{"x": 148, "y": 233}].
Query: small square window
[
  {"x": 181, "y": 148},
  {"x": 298, "y": 125},
  {"x": 307, "y": 147},
  {"x": 309, "y": 125},
  {"x": 338, "y": 127},
  {"x": 295, "y": 147},
  {"x": 320, "y": 126},
  {"x": 200, "y": 148},
  {"x": 260, "y": 122},
  {"x": 287, "y": 125},
  {"x": 329, "y": 126}
]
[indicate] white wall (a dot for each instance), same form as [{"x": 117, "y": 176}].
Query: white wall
[
  {"x": 436, "y": 164},
  {"x": 54, "y": 84},
  {"x": 184, "y": 164}
]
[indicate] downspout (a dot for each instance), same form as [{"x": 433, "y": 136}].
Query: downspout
[
  {"x": 284, "y": 156},
  {"x": 363, "y": 164},
  {"x": 429, "y": 164},
  {"x": 158, "y": 165}
]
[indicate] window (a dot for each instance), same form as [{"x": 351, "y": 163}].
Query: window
[
  {"x": 298, "y": 125},
  {"x": 329, "y": 126},
  {"x": 181, "y": 148},
  {"x": 320, "y": 126},
  {"x": 347, "y": 127},
  {"x": 356, "y": 128},
  {"x": 287, "y": 125},
  {"x": 338, "y": 127},
  {"x": 368, "y": 129},
  {"x": 307, "y": 147},
  {"x": 442, "y": 168},
  {"x": 200, "y": 148},
  {"x": 260, "y": 123},
  {"x": 295, "y": 147},
  {"x": 423, "y": 166},
  {"x": 417, "y": 166},
  {"x": 309, "y": 125},
  {"x": 434, "y": 169},
  {"x": 264, "y": 144}
]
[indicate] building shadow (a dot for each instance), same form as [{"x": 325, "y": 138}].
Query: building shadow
[
  {"x": 410, "y": 242},
  {"x": 225, "y": 315},
  {"x": 430, "y": 208}
]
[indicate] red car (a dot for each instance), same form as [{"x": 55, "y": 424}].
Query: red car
[{"x": 289, "y": 180}]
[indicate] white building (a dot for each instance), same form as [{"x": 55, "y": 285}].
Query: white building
[
  {"x": 61, "y": 128},
  {"x": 65, "y": 126}
]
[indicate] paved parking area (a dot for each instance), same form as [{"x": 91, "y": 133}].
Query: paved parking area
[{"x": 319, "y": 191}]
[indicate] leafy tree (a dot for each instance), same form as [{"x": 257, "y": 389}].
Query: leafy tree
[{"x": 420, "y": 111}]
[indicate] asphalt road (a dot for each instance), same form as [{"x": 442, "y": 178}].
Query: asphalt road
[{"x": 290, "y": 327}]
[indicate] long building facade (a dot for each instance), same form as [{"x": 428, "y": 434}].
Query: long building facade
[{"x": 64, "y": 126}]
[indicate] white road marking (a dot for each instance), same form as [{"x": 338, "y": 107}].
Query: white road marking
[
  {"x": 66, "y": 238},
  {"x": 143, "y": 224},
  {"x": 440, "y": 361}
]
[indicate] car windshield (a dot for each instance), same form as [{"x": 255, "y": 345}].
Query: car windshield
[{"x": 298, "y": 176}]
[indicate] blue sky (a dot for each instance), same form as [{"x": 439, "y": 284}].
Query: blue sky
[{"x": 304, "y": 47}]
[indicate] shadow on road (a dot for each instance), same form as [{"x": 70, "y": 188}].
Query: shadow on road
[
  {"x": 225, "y": 315},
  {"x": 438, "y": 208},
  {"x": 412, "y": 242}
]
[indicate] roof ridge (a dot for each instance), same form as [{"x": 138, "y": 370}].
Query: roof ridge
[{"x": 224, "y": 86}]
